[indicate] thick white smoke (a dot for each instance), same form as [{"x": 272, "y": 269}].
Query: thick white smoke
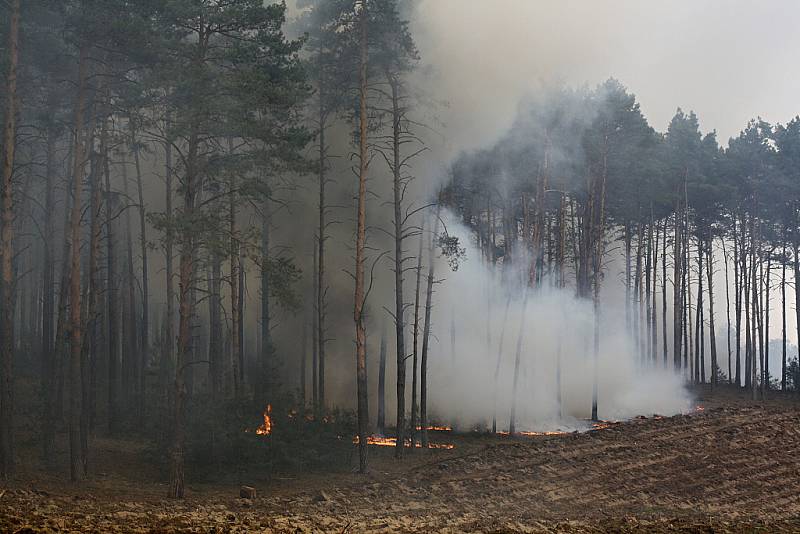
[{"x": 554, "y": 324}]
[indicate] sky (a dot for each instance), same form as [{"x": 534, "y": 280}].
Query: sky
[{"x": 728, "y": 60}]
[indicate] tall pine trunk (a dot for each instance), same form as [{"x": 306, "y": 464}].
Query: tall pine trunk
[
  {"x": 7, "y": 252},
  {"x": 415, "y": 362},
  {"x": 399, "y": 304},
  {"x": 361, "y": 237},
  {"x": 77, "y": 466}
]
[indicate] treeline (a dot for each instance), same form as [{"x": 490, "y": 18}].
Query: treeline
[
  {"x": 210, "y": 106},
  {"x": 581, "y": 175}
]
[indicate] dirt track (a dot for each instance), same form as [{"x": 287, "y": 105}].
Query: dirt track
[{"x": 727, "y": 468}]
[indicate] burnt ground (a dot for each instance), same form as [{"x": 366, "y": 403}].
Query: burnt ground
[{"x": 735, "y": 466}]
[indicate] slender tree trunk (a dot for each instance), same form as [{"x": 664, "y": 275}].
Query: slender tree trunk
[
  {"x": 215, "y": 326},
  {"x": 112, "y": 306},
  {"x": 512, "y": 421},
  {"x": 399, "y": 305},
  {"x": 144, "y": 336},
  {"x": 765, "y": 333},
  {"x": 727, "y": 308},
  {"x": 426, "y": 332},
  {"x": 664, "y": 293},
  {"x": 265, "y": 392},
  {"x": 711, "y": 329},
  {"x": 361, "y": 237},
  {"x": 382, "y": 385},
  {"x": 130, "y": 348},
  {"x": 647, "y": 342},
  {"x": 89, "y": 349},
  {"x": 797, "y": 290},
  {"x": 168, "y": 363},
  {"x": 783, "y": 314},
  {"x": 233, "y": 364},
  {"x": 77, "y": 471},
  {"x": 737, "y": 287},
  {"x": 700, "y": 370},
  {"x": 48, "y": 305},
  {"x": 7, "y": 252},
  {"x": 415, "y": 366},
  {"x": 314, "y": 338},
  {"x": 497, "y": 365},
  {"x": 319, "y": 403},
  {"x": 677, "y": 295},
  {"x": 185, "y": 311}
]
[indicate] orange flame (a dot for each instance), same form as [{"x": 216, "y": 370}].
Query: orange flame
[
  {"x": 381, "y": 441},
  {"x": 530, "y": 434},
  {"x": 266, "y": 427},
  {"x": 437, "y": 428}
]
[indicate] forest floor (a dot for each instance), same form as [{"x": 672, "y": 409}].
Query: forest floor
[{"x": 732, "y": 466}]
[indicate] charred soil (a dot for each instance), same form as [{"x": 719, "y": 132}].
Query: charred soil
[{"x": 734, "y": 466}]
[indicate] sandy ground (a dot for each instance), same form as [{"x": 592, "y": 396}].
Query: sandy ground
[{"x": 735, "y": 466}]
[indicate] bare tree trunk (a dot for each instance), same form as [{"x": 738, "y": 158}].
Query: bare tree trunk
[
  {"x": 144, "y": 353},
  {"x": 315, "y": 339},
  {"x": 512, "y": 421},
  {"x": 737, "y": 291},
  {"x": 797, "y": 288},
  {"x": 77, "y": 466},
  {"x": 711, "y": 328},
  {"x": 185, "y": 310},
  {"x": 783, "y": 313},
  {"x": 415, "y": 365},
  {"x": 168, "y": 363},
  {"x": 233, "y": 364},
  {"x": 48, "y": 304},
  {"x": 215, "y": 325},
  {"x": 497, "y": 365},
  {"x": 727, "y": 307},
  {"x": 382, "y": 385},
  {"x": 112, "y": 306},
  {"x": 677, "y": 295},
  {"x": 264, "y": 386},
  {"x": 399, "y": 305},
  {"x": 426, "y": 333},
  {"x": 765, "y": 333},
  {"x": 361, "y": 237},
  {"x": 7, "y": 252},
  {"x": 130, "y": 347},
  {"x": 321, "y": 289},
  {"x": 700, "y": 370},
  {"x": 664, "y": 293},
  {"x": 648, "y": 311}
]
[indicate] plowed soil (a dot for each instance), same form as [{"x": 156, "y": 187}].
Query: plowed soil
[{"x": 734, "y": 466}]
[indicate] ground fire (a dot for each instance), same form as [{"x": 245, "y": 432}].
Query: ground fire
[
  {"x": 382, "y": 441},
  {"x": 266, "y": 427}
]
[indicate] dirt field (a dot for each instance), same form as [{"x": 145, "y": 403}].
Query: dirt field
[{"x": 735, "y": 466}]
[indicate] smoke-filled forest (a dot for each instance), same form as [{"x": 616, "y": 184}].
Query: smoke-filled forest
[{"x": 396, "y": 266}]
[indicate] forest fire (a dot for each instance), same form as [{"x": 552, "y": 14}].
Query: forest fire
[
  {"x": 382, "y": 441},
  {"x": 437, "y": 428},
  {"x": 265, "y": 429},
  {"x": 532, "y": 434}
]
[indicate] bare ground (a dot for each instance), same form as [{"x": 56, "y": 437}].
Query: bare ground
[{"x": 735, "y": 466}]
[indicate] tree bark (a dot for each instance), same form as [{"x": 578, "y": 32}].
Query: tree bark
[
  {"x": 399, "y": 304},
  {"x": 77, "y": 465},
  {"x": 144, "y": 335},
  {"x": 361, "y": 236},
  {"x": 382, "y": 386},
  {"x": 415, "y": 363},
  {"x": 7, "y": 252},
  {"x": 426, "y": 333}
]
